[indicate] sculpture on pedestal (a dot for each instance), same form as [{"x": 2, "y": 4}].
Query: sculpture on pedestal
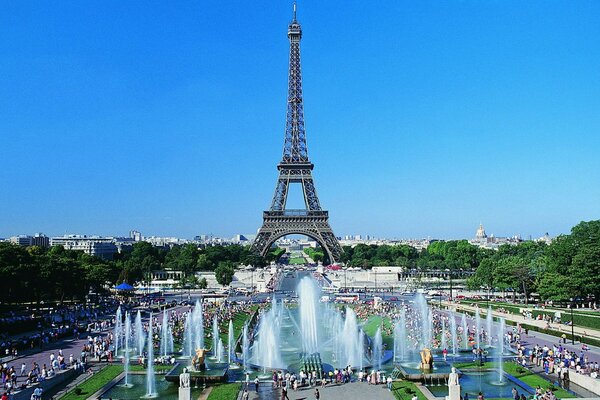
[
  {"x": 426, "y": 359},
  {"x": 453, "y": 386},
  {"x": 198, "y": 360},
  {"x": 185, "y": 392}
]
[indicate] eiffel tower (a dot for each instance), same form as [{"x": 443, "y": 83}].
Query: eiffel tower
[{"x": 295, "y": 167}]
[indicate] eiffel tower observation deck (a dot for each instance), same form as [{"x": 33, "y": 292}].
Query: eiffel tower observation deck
[{"x": 296, "y": 168}]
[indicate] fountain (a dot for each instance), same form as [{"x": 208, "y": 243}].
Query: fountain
[
  {"x": 444, "y": 341},
  {"x": 489, "y": 320},
  {"x": 350, "y": 340},
  {"x": 118, "y": 330},
  {"x": 465, "y": 332},
  {"x": 215, "y": 335},
  {"x": 126, "y": 340},
  {"x": 477, "y": 328},
  {"x": 230, "y": 342},
  {"x": 245, "y": 347},
  {"x": 453, "y": 330},
  {"x": 500, "y": 352},
  {"x": 377, "y": 350},
  {"x": 197, "y": 327},
  {"x": 150, "y": 378},
  {"x": 308, "y": 298},
  {"x": 220, "y": 350},
  {"x": 266, "y": 348},
  {"x": 400, "y": 337},
  {"x": 423, "y": 310},
  {"x": 139, "y": 333},
  {"x": 361, "y": 344},
  {"x": 164, "y": 334}
]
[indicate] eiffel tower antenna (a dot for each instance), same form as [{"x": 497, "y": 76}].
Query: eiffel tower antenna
[{"x": 295, "y": 167}]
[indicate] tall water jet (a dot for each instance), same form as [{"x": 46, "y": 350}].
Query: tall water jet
[
  {"x": 170, "y": 341},
  {"x": 150, "y": 378},
  {"x": 215, "y": 335},
  {"x": 500, "y": 351},
  {"x": 454, "y": 336},
  {"x": 230, "y": 343},
  {"x": 400, "y": 337},
  {"x": 266, "y": 348},
  {"x": 465, "y": 332},
  {"x": 126, "y": 341},
  {"x": 188, "y": 335},
  {"x": 308, "y": 297},
  {"x": 377, "y": 350},
  {"x": 245, "y": 347},
  {"x": 139, "y": 333},
  {"x": 443, "y": 340},
  {"x": 118, "y": 330},
  {"x": 164, "y": 334},
  {"x": 197, "y": 327},
  {"x": 220, "y": 350},
  {"x": 361, "y": 343},
  {"x": 422, "y": 308},
  {"x": 488, "y": 326},
  {"x": 350, "y": 340},
  {"x": 477, "y": 328}
]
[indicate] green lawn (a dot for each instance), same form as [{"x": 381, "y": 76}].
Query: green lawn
[
  {"x": 297, "y": 261},
  {"x": 374, "y": 322},
  {"x": 93, "y": 384},
  {"x": 227, "y": 391},
  {"x": 403, "y": 390}
]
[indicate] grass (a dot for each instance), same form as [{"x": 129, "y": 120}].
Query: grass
[
  {"x": 587, "y": 319},
  {"x": 93, "y": 384},
  {"x": 523, "y": 374},
  {"x": 226, "y": 391},
  {"x": 404, "y": 390},
  {"x": 374, "y": 322},
  {"x": 297, "y": 261}
]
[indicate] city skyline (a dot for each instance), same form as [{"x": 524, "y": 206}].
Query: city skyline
[{"x": 422, "y": 120}]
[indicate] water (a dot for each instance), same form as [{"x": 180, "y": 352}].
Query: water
[
  {"x": 266, "y": 347},
  {"x": 139, "y": 333},
  {"x": 465, "y": 332},
  {"x": 167, "y": 390},
  {"x": 500, "y": 351},
  {"x": 118, "y": 330},
  {"x": 215, "y": 335},
  {"x": 477, "y": 328},
  {"x": 150, "y": 378},
  {"x": 361, "y": 341},
  {"x": 197, "y": 328},
  {"x": 308, "y": 297},
  {"x": 423, "y": 311},
  {"x": 473, "y": 382},
  {"x": 454, "y": 336},
  {"x": 489, "y": 320},
  {"x": 127, "y": 349},
  {"x": 230, "y": 342},
  {"x": 220, "y": 351},
  {"x": 400, "y": 337},
  {"x": 444, "y": 341},
  {"x": 245, "y": 347},
  {"x": 164, "y": 334},
  {"x": 377, "y": 350},
  {"x": 351, "y": 349}
]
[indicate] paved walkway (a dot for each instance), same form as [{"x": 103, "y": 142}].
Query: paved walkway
[
  {"x": 579, "y": 331},
  {"x": 348, "y": 391}
]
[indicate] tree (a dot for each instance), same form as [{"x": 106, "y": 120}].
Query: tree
[
  {"x": 203, "y": 284},
  {"x": 224, "y": 273}
]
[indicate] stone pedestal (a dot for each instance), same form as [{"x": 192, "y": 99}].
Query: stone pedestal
[
  {"x": 453, "y": 392},
  {"x": 185, "y": 393}
]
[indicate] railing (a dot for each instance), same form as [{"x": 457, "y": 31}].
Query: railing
[{"x": 296, "y": 213}]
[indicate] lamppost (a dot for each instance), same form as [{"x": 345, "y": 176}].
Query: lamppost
[{"x": 572, "y": 324}]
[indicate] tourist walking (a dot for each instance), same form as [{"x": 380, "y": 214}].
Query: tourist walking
[{"x": 317, "y": 394}]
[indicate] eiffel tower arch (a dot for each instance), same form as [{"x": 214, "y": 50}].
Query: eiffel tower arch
[{"x": 296, "y": 168}]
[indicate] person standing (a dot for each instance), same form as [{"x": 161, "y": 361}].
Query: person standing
[
  {"x": 317, "y": 394},
  {"x": 256, "y": 381}
]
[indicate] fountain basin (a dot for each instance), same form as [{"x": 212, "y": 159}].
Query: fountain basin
[{"x": 484, "y": 381}]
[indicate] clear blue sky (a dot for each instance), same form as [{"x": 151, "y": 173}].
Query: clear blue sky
[{"x": 424, "y": 118}]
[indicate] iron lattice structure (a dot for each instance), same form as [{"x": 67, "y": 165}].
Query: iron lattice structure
[{"x": 295, "y": 167}]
